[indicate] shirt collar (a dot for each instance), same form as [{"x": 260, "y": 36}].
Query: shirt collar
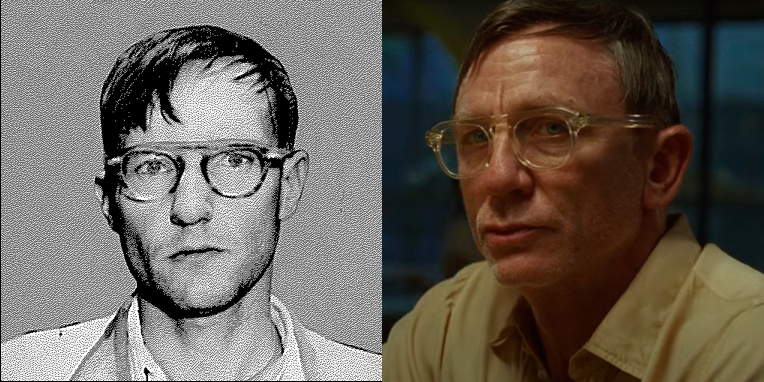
[
  {"x": 626, "y": 336},
  {"x": 142, "y": 364},
  {"x": 285, "y": 367}
]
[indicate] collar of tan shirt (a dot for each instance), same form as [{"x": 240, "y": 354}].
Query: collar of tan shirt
[
  {"x": 626, "y": 337},
  {"x": 690, "y": 314},
  {"x": 286, "y": 367}
]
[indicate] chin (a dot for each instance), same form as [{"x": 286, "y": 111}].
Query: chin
[
  {"x": 526, "y": 269},
  {"x": 210, "y": 299},
  {"x": 193, "y": 301},
  {"x": 201, "y": 288},
  {"x": 200, "y": 294}
]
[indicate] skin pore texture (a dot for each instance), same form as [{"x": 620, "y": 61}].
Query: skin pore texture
[
  {"x": 590, "y": 224},
  {"x": 208, "y": 316}
]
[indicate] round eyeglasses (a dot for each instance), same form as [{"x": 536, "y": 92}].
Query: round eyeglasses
[
  {"x": 541, "y": 139},
  {"x": 233, "y": 169}
]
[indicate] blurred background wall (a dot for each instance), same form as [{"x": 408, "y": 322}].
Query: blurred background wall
[{"x": 718, "y": 51}]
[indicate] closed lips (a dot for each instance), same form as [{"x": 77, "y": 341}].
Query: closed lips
[
  {"x": 507, "y": 229},
  {"x": 510, "y": 235},
  {"x": 192, "y": 251}
]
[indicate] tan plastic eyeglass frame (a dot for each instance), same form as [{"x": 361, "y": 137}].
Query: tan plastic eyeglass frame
[{"x": 575, "y": 121}]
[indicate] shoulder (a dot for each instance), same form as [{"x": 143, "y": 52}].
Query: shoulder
[
  {"x": 416, "y": 346},
  {"x": 49, "y": 354},
  {"x": 727, "y": 277},
  {"x": 721, "y": 296},
  {"x": 325, "y": 359},
  {"x": 456, "y": 291},
  {"x": 739, "y": 355},
  {"x": 454, "y": 295},
  {"x": 723, "y": 317},
  {"x": 428, "y": 319},
  {"x": 739, "y": 290}
]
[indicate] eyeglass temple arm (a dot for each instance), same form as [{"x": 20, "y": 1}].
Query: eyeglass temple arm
[
  {"x": 114, "y": 161},
  {"x": 632, "y": 121}
]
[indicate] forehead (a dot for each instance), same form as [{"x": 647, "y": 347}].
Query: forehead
[
  {"x": 531, "y": 71},
  {"x": 211, "y": 106}
]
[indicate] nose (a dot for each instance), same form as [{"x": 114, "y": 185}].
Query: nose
[
  {"x": 192, "y": 200},
  {"x": 505, "y": 175}
]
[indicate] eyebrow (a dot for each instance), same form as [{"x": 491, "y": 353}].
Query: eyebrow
[{"x": 216, "y": 143}]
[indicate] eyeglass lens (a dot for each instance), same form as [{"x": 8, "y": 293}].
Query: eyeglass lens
[
  {"x": 543, "y": 141},
  {"x": 151, "y": 175}
]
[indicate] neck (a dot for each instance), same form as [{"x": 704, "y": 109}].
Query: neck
[
  {"x": 567, "y": 314},
  {"x": 240, "y": 340}
]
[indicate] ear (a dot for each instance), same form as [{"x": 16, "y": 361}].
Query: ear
[
  {"x": 293, "y": 176},
  {"x": 103, "y": 198},
  {"x": 667, "y": 164}
]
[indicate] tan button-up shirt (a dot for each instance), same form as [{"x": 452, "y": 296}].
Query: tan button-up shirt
[{"x": 690, "y": 314}]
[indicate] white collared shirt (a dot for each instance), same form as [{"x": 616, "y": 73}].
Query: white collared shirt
[{"x": 286, "y": 367}]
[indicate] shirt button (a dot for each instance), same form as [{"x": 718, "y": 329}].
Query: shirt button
[{"x": 542, "y": 375}]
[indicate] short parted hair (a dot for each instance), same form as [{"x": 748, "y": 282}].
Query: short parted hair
[
  {"x": 144, "y": 75},
  {"x": 643, "y": 67}
]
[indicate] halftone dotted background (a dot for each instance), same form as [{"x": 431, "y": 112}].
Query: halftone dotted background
[{"x": 60, "y": 261}]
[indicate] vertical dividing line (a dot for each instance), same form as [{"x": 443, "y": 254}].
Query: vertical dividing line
[{"x": 705, "y": 200}]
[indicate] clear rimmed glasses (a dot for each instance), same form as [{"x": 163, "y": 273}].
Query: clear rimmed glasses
[
  {"x": 541, "y": 139},
  {"x": 232, "y": 168}
]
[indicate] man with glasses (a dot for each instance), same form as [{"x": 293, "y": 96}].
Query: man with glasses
[
  {"x": 200, "y": 170},
  {"x": 568, "y": 146}
]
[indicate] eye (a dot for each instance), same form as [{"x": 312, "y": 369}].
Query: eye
[
  {"x": 236, "y": 159},
  {"x": 543, "y": 128},
  {"x": 478, "y": 136},
  {"x": 553, "y": 128},
  {"x": 470, "y": 135},
  {"x": 152, "y": 167}
]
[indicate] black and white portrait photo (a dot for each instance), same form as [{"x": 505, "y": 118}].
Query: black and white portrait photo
[{"x": 191, "y": 190}]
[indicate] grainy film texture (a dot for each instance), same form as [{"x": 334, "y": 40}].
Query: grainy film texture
[{"x": 61, "y": 263}]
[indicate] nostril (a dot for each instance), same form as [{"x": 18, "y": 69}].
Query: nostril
[
  {"x": 191, "y": 206},
  {"x": 188, "y": 218}
]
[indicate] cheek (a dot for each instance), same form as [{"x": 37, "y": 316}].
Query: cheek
[
  {"x": 242, "y": 220},
  {"x": 599, "y": 197},
  {"x": 249, "y": 221},
  {"x": 145, "y": 223},
  {"x": 473, "y": 199},
  {"x": 617, "y": 181}
]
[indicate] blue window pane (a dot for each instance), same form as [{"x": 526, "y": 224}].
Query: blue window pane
[
  {"x": 684, "y": 44},
  {"x": 398, "y": 65},
  {"x": 419, "y": 77},
  {"x": 736, "y": 215}
]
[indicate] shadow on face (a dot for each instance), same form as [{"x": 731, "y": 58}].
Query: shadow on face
[{"x": 540, "y": 227}]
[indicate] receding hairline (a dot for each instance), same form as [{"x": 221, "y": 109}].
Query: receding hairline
[
  {"x": 221, "y": 69},
  {"x": 643, "y": 67},
  {"x": 150, "y": 66},
  {"x": 226, "y": 69},
  {"x": 232, "y": 66},
  {"x": 543, "y": 29}
]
